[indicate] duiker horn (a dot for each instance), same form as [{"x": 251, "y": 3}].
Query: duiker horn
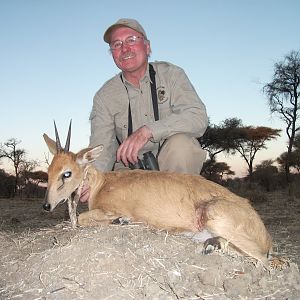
[
  {"x": 58, "y": 145},
  {"x": 67, "y": 147}
]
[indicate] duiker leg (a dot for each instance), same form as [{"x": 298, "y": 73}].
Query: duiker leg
[
  {"x": 96, "y": 217},
  {"x": 239, "y": 224}
]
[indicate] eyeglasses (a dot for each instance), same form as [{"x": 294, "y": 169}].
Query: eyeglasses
[{"x": 129, "y": 41}]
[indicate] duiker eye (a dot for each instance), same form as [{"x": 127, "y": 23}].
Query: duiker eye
[{"x": 67, "y": 174}]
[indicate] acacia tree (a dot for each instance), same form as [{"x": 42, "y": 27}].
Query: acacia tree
[
  {"x": 265, "y": 173},
  {"x": 283, "y": 96},
  {"x": 232, "y": 136},
  {"x": 221, "y": 138},
  {"x": 253, "y": 139},
  {"x": 215, "y": 171},
  {"x": 294, "y": 161},
  {"x": 217, "y": 139}
]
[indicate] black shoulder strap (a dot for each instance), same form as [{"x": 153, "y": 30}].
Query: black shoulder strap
[
  {"x": 153, "y": 92},
  {"x": 129, "y": 111},
  {"x": 154, "y": 99}
]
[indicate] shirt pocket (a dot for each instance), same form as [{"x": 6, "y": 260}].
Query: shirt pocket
[
  {"x": 164, "y": 109},
  {"x": 121, "y": 120}
]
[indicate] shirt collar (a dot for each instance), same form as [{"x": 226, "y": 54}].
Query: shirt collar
[{"x": 144, "y": 79}]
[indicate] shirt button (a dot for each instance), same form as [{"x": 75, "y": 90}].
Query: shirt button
[{"x": 125, "y": 126}]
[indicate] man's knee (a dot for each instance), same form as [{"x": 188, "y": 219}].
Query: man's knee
[
  {"x": 182, "y": 153},
  {"x": 177, "y": 141},
  {"x": 183, "y": 145}
]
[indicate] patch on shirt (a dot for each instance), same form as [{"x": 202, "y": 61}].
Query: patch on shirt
[{"x": 161, "y": 94}]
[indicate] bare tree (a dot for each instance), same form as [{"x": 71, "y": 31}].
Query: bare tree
[
  {"x": 294, "y": 157},
  {"x": 283, "y": 96},
  {"x": 26, "y": 168},
  {"x": 34, "y": 183},
  {"x": 6, "y": 184},
  {"x": 15, "y": 155},
  {"x": 47, "y": 159}
]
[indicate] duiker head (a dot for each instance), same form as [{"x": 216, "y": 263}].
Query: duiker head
[{"x": 66, "y": 170}]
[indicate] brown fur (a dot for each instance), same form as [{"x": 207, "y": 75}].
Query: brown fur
[{"x": 170, "y": 201}]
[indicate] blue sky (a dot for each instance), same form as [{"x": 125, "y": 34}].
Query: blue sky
[{"x": 53, "y": 60}]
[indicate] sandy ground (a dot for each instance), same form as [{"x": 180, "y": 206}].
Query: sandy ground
[{"x": 41, "y": 257}]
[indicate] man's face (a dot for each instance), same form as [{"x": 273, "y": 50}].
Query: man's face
[{"x": 130, "y": 58}]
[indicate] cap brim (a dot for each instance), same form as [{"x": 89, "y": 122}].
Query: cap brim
[{"x": 107, "y": 33}]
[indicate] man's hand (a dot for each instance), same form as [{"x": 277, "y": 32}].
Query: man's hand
[
  {"x": 85, "y": 193},
  {"x": 129, "y": 149}
]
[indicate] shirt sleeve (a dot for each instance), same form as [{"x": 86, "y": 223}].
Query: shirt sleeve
[
  {"x": 103, "y": 132},
  {"x": 188, "y": 111}
]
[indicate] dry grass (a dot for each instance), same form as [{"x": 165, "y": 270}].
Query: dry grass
[{"x": 42, "y": 257}]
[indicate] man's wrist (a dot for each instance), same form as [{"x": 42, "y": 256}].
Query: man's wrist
[{"x": 148, "y": 132}]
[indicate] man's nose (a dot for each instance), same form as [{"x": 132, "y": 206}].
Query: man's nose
[{"x": 124, "y": 47}]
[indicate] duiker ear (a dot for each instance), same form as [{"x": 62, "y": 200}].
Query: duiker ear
[
  {"x": 88, "y": 155},
  {"x": 50, "y": 143}
]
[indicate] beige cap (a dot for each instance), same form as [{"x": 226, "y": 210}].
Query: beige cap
[{"x": 131, "y": 23}]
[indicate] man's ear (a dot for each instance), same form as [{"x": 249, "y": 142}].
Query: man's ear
[
  {"x": 148, "y": 48},
  {"x": 50, "y": 143},
  {"x": 88, "y": 155}
]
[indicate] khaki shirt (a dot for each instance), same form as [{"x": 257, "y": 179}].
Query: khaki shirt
[{"x": 180, "y": 111}]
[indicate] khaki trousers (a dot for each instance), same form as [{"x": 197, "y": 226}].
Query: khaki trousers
[{"x": 181, "y": 153}]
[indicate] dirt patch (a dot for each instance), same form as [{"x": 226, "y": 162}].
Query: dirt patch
[{"x": 43, "y": 258}]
